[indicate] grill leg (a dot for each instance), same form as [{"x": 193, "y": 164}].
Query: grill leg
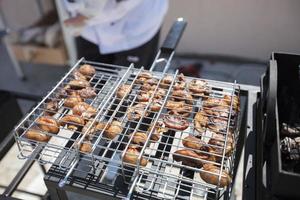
[{"x": 55, "y": 192}]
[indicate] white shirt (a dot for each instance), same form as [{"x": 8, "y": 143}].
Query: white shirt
[{"x": 119, "y": 26}]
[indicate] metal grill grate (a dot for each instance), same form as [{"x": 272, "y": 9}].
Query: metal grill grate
[{"x": 162, "y": 176}]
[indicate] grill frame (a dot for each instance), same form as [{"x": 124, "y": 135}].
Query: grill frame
[{"x": 73, "y": 153}]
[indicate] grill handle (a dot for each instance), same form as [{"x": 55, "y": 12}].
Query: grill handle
[
  {"x": 166, "y": 52},
  {"x": 174, "y": 36}
]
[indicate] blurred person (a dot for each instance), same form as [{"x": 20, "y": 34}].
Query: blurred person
[{"x": 117, "y": 31}]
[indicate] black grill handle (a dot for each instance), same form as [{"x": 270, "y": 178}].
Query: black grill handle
[
  {"x": 164, "y": 56},
  {"x": 269, "y": 109},
  {"x": 174, "y": 36}
]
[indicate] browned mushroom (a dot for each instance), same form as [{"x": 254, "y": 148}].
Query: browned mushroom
[
  {"x": 90, "y": 128},
  {"x": 172, "y": 105},
  {"x": 132, "y": 154},
  {"x": 182, "y": 95},
  {"x": 139, "y": 138},
  {"x": 87, "y": 70},
  {"x": 37, "y": 135},
  {"x": 155, "y": 105},
  {"x": 212, "y": 174},
  {"x": 183, "y": 111},
  {"x": 78, "y": 84},
  {"x": 212, "y": 102},
  {"x": 113, "y": 129},
  {"x": 180, "y": 83},
  {"x": 198, "y": 87},
  {"x": 51, "y": 107},
  {"x": 73, "y": 122},
  {"x": 158, "y": 130},
  {"x": 235, "y": 102},
  {"x": 72, "y": 100},
  {"x": 144, "y": 96},
  {"x": 123, "y": 91},
  {"x": 61, "y": 93},
  {"x": 193, "y": 142},
  {"x": 218, "y": 111},
  {"x": 218, "y": 140},
  {"x": 84, "y": 110},
  {"x": 79, "y": 76},
  {"x": 48, "y": 124},
  {"x": 87, "y": 93},
  {"x": 146, "y": 75},
  {"x": 190, "y": 157},
  {"x": 200, "y": 121},
  {"x": 86, "y": 147},
  {"x": 167, "y": 80},
  {"x": 147, "y": 87},
  {"x": 137, "y": 111},
  {"x": 175, "y": 122},
  {"x": 218, "y": 125}
]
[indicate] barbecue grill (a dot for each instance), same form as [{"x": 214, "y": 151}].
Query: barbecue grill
[
  {"x": 102, "y": 172},
  {"x": 162, "y": 177}
]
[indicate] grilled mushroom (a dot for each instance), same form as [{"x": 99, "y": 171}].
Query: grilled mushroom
[
  {"x": 146, "y": 75},
  {"x": 51, "y": 107},
  {"x": 155, "y": 105},
  {"x": 62, "y": 93},
  {"x": 190, "y": 157},
  {"x": 211, "y": 175},
  {"x": 132, "y": 154},
  {"x": 175, "y": 122},
  {"x": 147, "y": 87},
  {"x": 151, "y": 81},
  {"x": 84, "y": 110},
  {"x": 182, "y": 95},
  {"x": 193, "y": 142},
  {"x": 79, "y": 76},
  {"x": 167, "y": 79},
  {"x": 212, "y": 102},
  {"x": 218, "y": 125},
  {"x": 35, "y": 134},
  {"x": 144, "y": 96},
  {"x": 158, "y": 130},
  {"x": 112, "y": 129},
  {"x": 218, "y": 140},
  {"x": 143, "y": 77},
  {"x": 199, "y": 87},
  {"x": 73, "y": 122},
  {"x": 72, "y": 100},
  {"x": 87, "y": 93},
  {"x": 78, "y": 84},
  {"x": 218, "y": 111},
  {"x": 87, "y": 70},
  {"x": 139, "y": 138},
  {"x": 235, "y": 102},
  {"x": 172, "y": 105},
  {"x": 180, "y": 83},
  {"x": 123, "y": 90},
  {"x": 91, "y": 131},
  {"x": 200, "y": 121},
  {"x": 86, "y": 147},
  {"x": 179, "y": 108},
  {"x": 48, "y": 124},
  {"x": 136, "y": 112}
]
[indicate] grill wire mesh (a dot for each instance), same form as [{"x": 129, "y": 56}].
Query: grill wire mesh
[{"x": 155, "y": 172}]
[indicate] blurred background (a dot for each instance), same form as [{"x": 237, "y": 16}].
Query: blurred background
[
  {"x": 227, "y": 41},
  {"x": 224, "y": 40}
]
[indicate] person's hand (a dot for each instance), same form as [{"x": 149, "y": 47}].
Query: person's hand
[{"x": 79, "y": 20}]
